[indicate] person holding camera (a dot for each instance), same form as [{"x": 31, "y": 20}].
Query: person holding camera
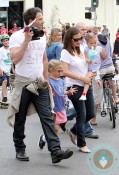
[{"x": 27, "y": 50}]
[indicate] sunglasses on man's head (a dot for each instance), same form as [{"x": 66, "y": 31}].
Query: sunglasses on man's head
[{"x": 77, "y": 39}]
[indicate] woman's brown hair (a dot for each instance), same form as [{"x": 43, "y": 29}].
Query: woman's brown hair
[{"x": 68, "y": 40}]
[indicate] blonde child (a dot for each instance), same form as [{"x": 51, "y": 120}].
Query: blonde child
[
  {"x": 57, "y": 84},
  {"x": 55, "y": 70},
  {"x": 93, "y": 55}
]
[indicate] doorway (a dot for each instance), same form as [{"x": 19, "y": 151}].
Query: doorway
[{"x": 15, "y": 14}]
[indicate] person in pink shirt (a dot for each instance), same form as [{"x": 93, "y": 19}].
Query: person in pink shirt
[
  {"x": 3, "y": 30},
  {"x": 116, "y": 44}
]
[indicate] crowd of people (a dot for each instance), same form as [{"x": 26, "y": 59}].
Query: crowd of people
[{"x": 70, "y": 62}]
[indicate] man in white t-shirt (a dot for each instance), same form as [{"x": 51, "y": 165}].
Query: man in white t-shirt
[
  {"x": 27, "y": 50},
  {"x": 5, "y": 65}
]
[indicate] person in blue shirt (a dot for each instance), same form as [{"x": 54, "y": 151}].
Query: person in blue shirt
[{"x": 54, "y": 44}]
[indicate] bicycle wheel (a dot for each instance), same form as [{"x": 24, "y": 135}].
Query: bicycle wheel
[
  {"x": 107, "y": 96},
  {"x": 104, "y": 104},
  {"x": 112, "y": 109}
]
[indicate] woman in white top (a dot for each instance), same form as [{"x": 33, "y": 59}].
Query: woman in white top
[{"x": 75, "y": 70}]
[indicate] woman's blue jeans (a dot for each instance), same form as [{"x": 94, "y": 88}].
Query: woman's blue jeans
[{"x": 85, "y": 112}]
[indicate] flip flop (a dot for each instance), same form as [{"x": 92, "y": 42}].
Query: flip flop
[
  {"x": 93, "y": 123},
  {"x": 117, "y": 100},
  {"x": 84, "y": 149}
]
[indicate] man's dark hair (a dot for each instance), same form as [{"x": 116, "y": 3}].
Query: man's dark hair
[{"x": 31, "y": 14}]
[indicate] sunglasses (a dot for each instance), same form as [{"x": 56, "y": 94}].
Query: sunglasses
[
  {"x": 77, "y": 39},
  {"x": 89, "y": 31}
]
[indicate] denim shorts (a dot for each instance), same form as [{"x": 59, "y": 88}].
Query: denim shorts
[{"x": 4, "y": 77}]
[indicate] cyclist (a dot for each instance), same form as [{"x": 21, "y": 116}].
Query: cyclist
[
  {"x": 106, "y": 67},
  {"x": 5, "y": 65}
]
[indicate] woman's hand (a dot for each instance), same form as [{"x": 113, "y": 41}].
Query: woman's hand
[
  {"x": 91, "y": 74},
  {"x": 89, "y": 61},
  {"x": 86, "y": 79}
]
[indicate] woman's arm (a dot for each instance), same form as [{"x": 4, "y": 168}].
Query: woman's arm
[
  {"x": 87, "y": 58},
  {"x": 67, "y": 73}
]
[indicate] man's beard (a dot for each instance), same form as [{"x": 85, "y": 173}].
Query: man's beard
[{"x": 6, "y": 46}]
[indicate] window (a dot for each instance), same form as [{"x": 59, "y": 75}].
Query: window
[
  {"x": 38, "y": 3},
  {"x": 117, "y": 2}
]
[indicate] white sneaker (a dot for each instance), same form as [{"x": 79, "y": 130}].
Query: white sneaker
[{"x": 83, "y": 97}]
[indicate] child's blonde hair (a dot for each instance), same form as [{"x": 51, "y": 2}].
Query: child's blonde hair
[
  {"x": 53, "y": 64},
  {"x": 90, "y": 36},
  {"x": 53, "y": 34}
]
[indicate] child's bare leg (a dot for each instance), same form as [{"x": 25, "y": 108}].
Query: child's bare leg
[
  {"x": 56, "y": 128},
  {"x": 4, "y": 88},
  {"x": 83, "y": 96}
]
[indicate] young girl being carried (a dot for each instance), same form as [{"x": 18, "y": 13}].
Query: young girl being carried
[{"x": 93, "y": 55}]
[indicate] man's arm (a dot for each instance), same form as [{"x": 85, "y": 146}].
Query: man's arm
[
  {"x": 45, "y": 66},
  {"x": 16, "y": 53}
]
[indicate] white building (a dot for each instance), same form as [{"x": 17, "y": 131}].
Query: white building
[{"x": 73, "y": 11}]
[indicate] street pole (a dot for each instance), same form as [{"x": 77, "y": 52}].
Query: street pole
[{"x": 95, "y": 16}]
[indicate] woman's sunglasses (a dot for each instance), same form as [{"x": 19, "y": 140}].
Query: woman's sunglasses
[{"x": 77, "y": 39}]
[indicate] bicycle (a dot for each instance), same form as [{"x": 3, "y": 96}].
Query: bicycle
[{"x": 108, "y": 104}]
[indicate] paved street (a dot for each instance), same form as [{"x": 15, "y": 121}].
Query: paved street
[{"x": 40, "y": 161}]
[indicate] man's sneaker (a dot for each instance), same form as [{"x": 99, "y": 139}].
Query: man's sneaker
[
  {"x": 4, "y": 99},
  {"x": 72, "y": 136},
  {"x": 21, "y": 155},
  {"x": 41, "y": 142},
  {"x": 60, "y": 155}
]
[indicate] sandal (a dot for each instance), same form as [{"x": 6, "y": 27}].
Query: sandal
[
  {"x": 72, "y": 136},
  {"x": 117, "y": 100},
  {"x": 93, "y": 123}
]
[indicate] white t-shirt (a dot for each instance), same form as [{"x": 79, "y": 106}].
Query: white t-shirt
[
  {"x": 77, "y": 65},
  {"x": 31, "y": 65},
  {"x": 5, "y": 61}
]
